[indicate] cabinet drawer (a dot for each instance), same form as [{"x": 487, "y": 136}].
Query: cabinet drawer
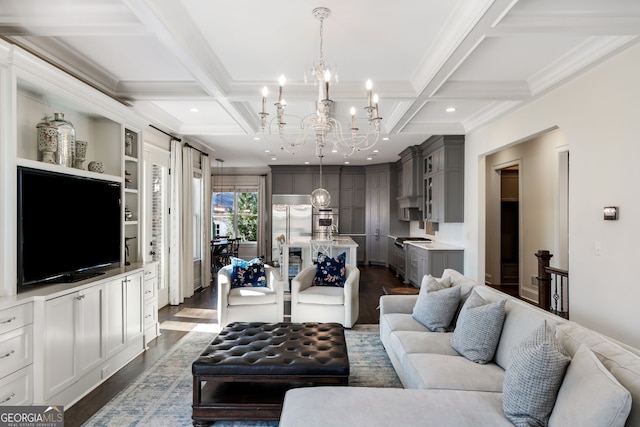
[
  {"x": 15, "y": 389},
  {"x": 150, "y": 287},
  {"x": 16, "y": 317},
  {"x": 150, "y": 314},
  {"x": 15, "y": 350},
  {"x": 151, "y": 271}
]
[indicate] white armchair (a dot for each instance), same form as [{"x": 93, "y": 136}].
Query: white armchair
[
  {"x": 250, "y": 304},
  {"x": 325, "y": 303}
]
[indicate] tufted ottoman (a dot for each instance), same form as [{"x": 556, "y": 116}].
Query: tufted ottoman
[{"x": 244, "y": 373}]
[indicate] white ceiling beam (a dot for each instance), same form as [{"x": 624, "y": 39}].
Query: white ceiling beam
[
  {"x": 566, "y": 24},
  {"x": 168, "y": 20},
  {"x": 463, "y": 49},
  {"x": 496, "y": 90}
]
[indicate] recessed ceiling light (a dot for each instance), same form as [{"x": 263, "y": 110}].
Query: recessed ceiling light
[
  {"x": 306, "y": 163},
  {"x": 450, "y": 109},
  {"x": 267, "y": 151},
  {"x": 334, "y": 151},
  {"x": 194, "y": 110},
  {"x": 273, "y": 158},
  {"x": 346, "y": 162},
  {"x": 376, "y": 151},
  {"x": 256, "y": 138},
  {"x": 369, "y": 158},
  {"x": 386, "y": 138}
]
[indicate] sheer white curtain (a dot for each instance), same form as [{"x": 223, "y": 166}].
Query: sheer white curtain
[
  {"x": 186, "y": 250},
  {"x": 205, "y": 166},
  {"x": 175, "y": 225}
]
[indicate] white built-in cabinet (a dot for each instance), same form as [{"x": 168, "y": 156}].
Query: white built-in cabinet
[
  {"x": 73, "y": 338},
  {"x": 89, "y": 334},
  {"x": 63, "y": 340},
  {"x": 16, "y": 355},
  {"x": 150, "y": 295}
]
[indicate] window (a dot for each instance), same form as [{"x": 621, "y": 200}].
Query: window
[
  {"x": 197, "y": 215},
  {"x": 235, "y": 214}
]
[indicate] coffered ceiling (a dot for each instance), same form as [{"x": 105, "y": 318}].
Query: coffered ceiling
[{"x": 167, "y": 57}]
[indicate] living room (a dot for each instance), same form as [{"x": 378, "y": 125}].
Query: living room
[{"x": 594, "y": 110}]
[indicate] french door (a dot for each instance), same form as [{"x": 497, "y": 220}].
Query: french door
[{"x": 156, "y": 170}]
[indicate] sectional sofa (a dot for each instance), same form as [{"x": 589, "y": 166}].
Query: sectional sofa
[{"x": 594, "y": 380}]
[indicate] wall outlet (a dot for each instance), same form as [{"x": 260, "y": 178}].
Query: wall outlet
[
  {"x": 106, "y": 371},
  {"x": 534, "y": 281}
]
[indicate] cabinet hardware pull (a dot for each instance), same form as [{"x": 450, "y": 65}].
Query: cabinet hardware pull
[
  {"x": 80, "y": 297},
  {"x": 7, "y": 354},
  {"x": 9, "y": 320},
  {"x": 8, "y": 398}
]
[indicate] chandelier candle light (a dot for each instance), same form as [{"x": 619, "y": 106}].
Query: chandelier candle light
[{"x": 322, "y": 124}]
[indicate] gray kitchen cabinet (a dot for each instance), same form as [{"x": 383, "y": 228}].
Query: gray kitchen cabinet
[
  {"x": 410, "y": 186},
  {"x": 443, "y": 179},
  {"x": 422, "y": 261},
  {"x": 352, "y": 201},
  {"x": 381, "y": 211},
  {"x": 305, "y": 179}
]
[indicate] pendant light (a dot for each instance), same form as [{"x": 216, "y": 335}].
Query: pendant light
[{"x": 320, "y": 198}]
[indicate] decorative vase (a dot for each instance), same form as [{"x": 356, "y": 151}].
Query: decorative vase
[
  {"x": 96, "y": 167},
  {"x": 66, "y": 153},
  {"x": 128, "y": 143},
  {"x": 81, "y": 153},
  {"x": 47, "y": 140}
]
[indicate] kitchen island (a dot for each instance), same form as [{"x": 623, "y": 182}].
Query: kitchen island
[{"x": 296, "y": 254}]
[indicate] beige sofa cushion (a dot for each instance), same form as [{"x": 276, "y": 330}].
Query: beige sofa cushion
[
  {"x": 439, "y": 371},
  {"x": 378, "y": 407},
  {"x": 590, "y": 396},
  {"x": 623, "y": 365}
]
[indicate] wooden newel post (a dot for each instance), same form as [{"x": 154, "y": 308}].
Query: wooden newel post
[{"x": 544, "y": 280}]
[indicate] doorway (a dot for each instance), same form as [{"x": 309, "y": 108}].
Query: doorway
[
  {"x": 156, "y": 170},
  {"x": 510, "y": 225}
]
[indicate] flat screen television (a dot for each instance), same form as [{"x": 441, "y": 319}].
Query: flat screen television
[{"x": 68, "y": 227}]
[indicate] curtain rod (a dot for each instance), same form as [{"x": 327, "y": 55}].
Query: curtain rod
[
  {"x": 186, "y": 144},
  {"x": 168, "y": 134}
]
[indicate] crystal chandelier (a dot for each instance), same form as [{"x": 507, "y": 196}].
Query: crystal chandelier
[{"x": 322, "y": 125}]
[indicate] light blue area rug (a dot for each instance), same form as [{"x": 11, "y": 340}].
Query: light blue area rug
[{"x": 161, "y": 395}]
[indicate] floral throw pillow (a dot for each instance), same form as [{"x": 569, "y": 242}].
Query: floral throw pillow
[
  {"x": 247, "y": 273},
  {"x": 330, "y": 271}
]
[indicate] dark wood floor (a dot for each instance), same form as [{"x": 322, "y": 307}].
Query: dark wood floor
[{"x": 372, "y": 279}]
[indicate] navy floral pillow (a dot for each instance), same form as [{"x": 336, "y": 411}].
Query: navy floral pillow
[
  {"x": 330, "y": 271},
  {"x": 247, "y": 273}
]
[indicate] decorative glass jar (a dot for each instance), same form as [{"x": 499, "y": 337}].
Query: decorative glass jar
[{"x": 65, "y": 156}]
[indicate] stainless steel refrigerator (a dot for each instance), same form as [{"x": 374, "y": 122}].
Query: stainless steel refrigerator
[{"x": 291, "y": 216}]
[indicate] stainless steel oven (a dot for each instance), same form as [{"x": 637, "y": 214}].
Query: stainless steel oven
[{"x": 325, "y": 223}]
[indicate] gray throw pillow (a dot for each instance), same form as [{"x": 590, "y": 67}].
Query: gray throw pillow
[
  {"x": 436, "y": 309},
  {"x": 430, "y": 283},
  {"x": 478, "y": 329},
  {"x": 532, "y": 381},
  {"x": 590, "y": 396}
]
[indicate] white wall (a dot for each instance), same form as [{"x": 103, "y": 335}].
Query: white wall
[{"x": 599, "y": 112}]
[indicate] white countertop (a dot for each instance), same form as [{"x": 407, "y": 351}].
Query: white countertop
[
  {"x": 339, "y": 241},
  {"x": 436, "y": 246}
]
